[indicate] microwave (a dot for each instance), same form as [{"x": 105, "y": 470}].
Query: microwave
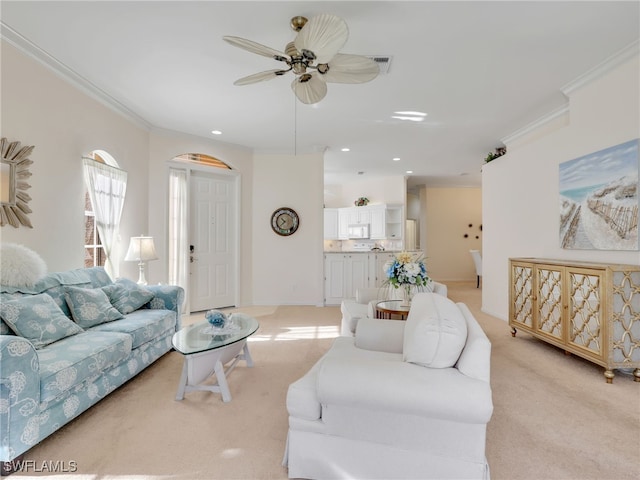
[{"x": 360, "y": 230}]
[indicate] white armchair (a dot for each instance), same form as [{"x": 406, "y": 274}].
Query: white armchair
[
  {"x": 363, "y": 305},
  {"x": 400, "y": 400}
]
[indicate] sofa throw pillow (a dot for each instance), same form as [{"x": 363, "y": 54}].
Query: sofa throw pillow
[
  {"x": 90, "y": 306},
  {"x": 127, "y": 296},
  {"x": 435, "y": 332},
  {"x": 38, "y": 319}
]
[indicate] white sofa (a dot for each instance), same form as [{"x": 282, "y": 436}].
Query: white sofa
[
  {"x": 363, "y": 305},
  {"x": 384, "y": 404}
]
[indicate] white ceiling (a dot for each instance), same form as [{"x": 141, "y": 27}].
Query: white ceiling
[{"x": 480, "y": 70}]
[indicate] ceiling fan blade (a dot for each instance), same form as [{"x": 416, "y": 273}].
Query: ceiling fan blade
[
  {"x": 255, "y": 47},
  {"x": 323, "y": 35},
  {"x": 345, "y": 68},
  {"x": 310, "y": 91},
  {"x": 259, "y": 77}
]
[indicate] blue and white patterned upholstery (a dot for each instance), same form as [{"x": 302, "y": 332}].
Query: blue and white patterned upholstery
[
  {"x": 127, "y": 296},
  {"x": 90, "y": 306},
  {"x": 142, "y": 325},
  {"x": 38, "y": 319},
  {"x": 42, "y": 390}
]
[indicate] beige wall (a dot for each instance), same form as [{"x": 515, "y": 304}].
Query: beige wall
[
  {"x": 448, "y": 213},
  {"x": 40, "y": 108},
  {"x": 64, "y": 123},
  {"x": 520, "y": 190},
  {"x": 163, "y": 147},
  {"x": 389, "y": 190},
  {"x": 288, "y": 270}
]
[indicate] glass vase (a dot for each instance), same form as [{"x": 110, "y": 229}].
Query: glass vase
[{"x": 407, "y": 294}]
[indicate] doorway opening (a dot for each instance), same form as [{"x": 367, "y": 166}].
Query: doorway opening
[{"x": 203, "y": 224}]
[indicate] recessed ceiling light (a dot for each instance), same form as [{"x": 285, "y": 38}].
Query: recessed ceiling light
[
  {"x": 396, "y": 159},
  {"x": 345, "y": 149},
  {"x": 413, "y": 114},
  {"x": 409, "y": 116},
  {"x": 216, "y": 132},
  {"x": 409, "y": 171}
]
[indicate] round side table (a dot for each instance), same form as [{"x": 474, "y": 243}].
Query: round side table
[{"x": 392, "y": 310}]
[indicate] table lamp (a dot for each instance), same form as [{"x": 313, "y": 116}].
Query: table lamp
[{"x": 141, "y": 249}]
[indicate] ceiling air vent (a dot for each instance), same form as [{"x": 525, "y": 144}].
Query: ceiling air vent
[{"x": 383, "y": 61}]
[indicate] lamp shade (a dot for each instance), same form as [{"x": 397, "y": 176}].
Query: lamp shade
[{"x": 141, "y": 249}]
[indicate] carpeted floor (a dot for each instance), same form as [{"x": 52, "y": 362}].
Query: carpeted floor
[{"x": 554, "y": 415}]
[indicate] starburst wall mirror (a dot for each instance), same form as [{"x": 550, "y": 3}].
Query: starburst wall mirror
[{"x": 14, "y": 172}]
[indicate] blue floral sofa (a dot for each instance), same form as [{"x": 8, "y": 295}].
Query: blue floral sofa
[{"x": 69, "y": 341}]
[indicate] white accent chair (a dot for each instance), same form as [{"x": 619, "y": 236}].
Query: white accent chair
[
  {"x": 400, "y": 400},
  {"x": 364, "y": 304},
  {"x": 477, "y": 260}
]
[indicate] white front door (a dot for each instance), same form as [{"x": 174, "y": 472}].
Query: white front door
[{"x": 213, "y": 242}]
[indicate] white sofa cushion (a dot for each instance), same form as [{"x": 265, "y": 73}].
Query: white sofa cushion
[
  {"x": 380, "y": 335},
  {"x": 435, "y": 332}
]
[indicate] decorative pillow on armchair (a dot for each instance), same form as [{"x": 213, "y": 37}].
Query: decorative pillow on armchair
[
  {"x": 38, "y": 319},
  {"x": 435, "y": 332},
  {"x": 127, "y": 296},
  {"x": 90, "y": 306}
]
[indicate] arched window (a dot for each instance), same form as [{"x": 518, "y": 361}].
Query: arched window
[
  {"x": 202, "y": 159},
  {"x": 105, "y": 190}
]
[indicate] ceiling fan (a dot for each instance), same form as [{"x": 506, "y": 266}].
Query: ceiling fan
[{"x": 313, "y": 57}]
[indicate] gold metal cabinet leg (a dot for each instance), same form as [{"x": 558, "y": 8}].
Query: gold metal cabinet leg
[
  {"x": 636, "y": 375},
  {"x": 608, "y": 374},
  {"x": 513, "y": 331}
]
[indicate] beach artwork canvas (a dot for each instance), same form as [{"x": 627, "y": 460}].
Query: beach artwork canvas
[{"x": 599, "y": 199}]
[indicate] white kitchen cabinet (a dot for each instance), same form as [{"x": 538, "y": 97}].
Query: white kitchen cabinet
[
  {"x": 331, "y": 223},
  {"x": 357, "y": 273},
  {"x": 344, "y": 273},
  {"x": 394, "y": 223},
  {"x": 378, "y": 215},
  {"x": 343, "y": 223},
  {"x": 377, "y": 274},
  {"x": 334, "y": 278},
  {"x": 359, "y": 215}
]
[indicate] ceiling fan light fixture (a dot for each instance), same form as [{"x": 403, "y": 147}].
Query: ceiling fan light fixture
[
  {"x": 308, "y": 55},
  {"x": 324, "y": 35},
  {"x": 309, "y": 89},
  {"x": 260, "y": 77},
  {"x": 315, "y": 48},
  {"x": 346, "y": 68},
  {"x": 255, "y": 47},
  {"x": 298, "y": 22}
]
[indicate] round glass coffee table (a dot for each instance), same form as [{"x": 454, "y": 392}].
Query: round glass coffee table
[
  {"x": 392, "y": 310},
  {"x": 207, "y": 350}
]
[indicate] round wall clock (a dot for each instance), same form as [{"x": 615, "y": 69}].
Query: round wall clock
[{"x": 285, "y": 221}]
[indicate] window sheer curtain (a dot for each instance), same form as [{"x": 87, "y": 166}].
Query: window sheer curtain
[
  {"x": 107, "y": 187},
  {"x": 178, "y": 234}
]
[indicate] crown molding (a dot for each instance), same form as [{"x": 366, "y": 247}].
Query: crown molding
[
  {"x": 533, "y": 126},
  {"x": 594, "y": 73},
  {"x": 32, "y": 50},
  {"x": 603, "y": 68}
]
